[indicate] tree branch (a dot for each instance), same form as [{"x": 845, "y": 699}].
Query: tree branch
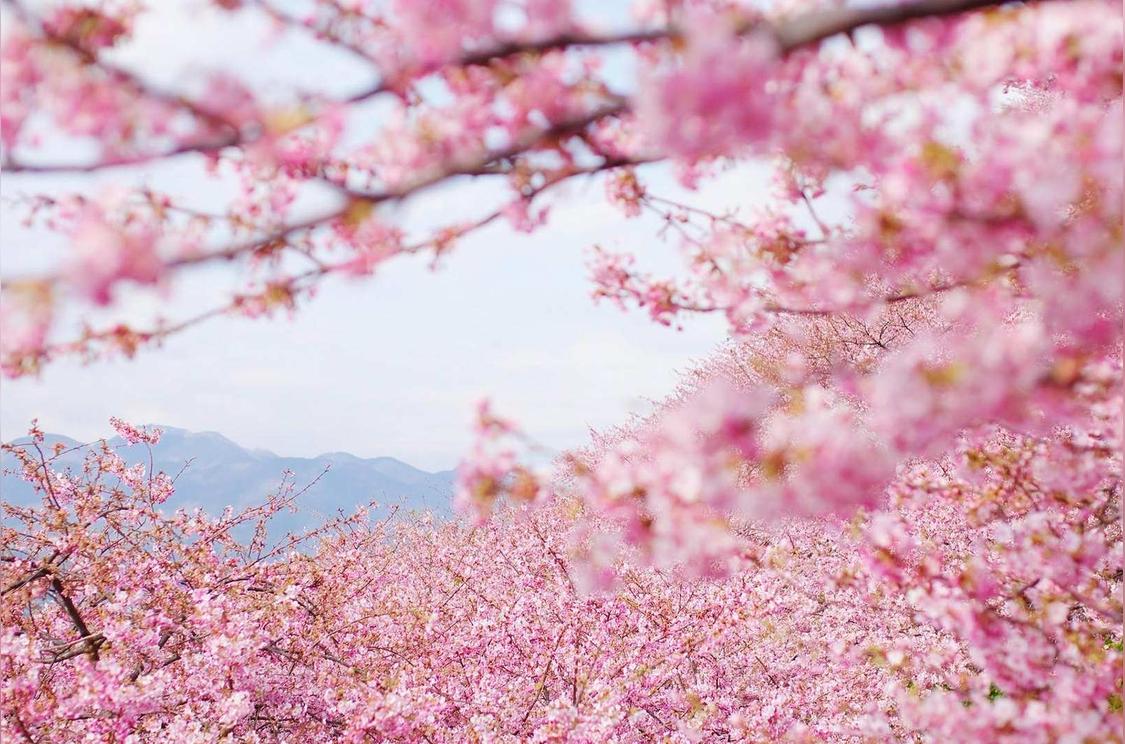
[
  {"x": 791, "y": 34},
  {"x": 88, "y": 638}
]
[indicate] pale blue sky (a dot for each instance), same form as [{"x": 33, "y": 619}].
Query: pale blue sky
[{"x": 390, "y": 365}]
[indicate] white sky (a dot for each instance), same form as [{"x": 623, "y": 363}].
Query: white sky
[
  {"x": 392, "y": 365},
  {"x": 389, "y": 365}
]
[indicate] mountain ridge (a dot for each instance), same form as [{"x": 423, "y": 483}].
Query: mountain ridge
[{"x": 218, "y": 472}]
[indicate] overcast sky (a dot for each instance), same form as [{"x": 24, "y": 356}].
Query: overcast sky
[
  {"x": 392, "y": 365},
  {"x": 385, "y": 366}
]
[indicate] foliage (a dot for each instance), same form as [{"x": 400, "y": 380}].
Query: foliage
[{"x": 889, "y": 509}]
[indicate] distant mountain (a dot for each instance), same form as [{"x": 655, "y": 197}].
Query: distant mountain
[{"x": 217, "y": 473}]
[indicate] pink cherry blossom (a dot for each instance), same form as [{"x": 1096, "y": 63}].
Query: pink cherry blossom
[{"x": 887, "y": 508}]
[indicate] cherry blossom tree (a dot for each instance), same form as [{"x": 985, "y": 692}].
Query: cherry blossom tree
[
  {"x": 518, "y": 95},
  {"x": 888, "y": 509},
  {"x": 980, "y": 601}
]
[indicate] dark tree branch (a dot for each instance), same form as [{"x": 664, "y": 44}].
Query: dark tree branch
[
  {"x": 791, "y": 34},
  {"x": 89, "y": 640}
]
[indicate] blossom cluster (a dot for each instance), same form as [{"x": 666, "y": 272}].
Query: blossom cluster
[
  {"x": 1008, "y": 148},
  {"x": 888, "y": 509},
  {"x": 980, "y": 601}
]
